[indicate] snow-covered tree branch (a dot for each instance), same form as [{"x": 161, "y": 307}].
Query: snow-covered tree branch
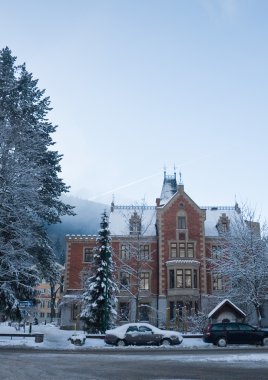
[
  {"x": 30, "y": 188},
  {"x": 241, "y": 261}
]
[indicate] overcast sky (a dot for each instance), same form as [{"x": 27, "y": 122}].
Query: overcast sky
[{"x": 137, "y": 85}]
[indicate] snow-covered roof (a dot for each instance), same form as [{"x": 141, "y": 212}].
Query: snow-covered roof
[
  {"x": 121, "y": 215},
  {"x": 213, "y": 215},
  {"x": 169, "y": 188},
  {"x": 221, "y": 304},
  {"x": 172, "y": 262},
  {"x": 80, "y": 237}
]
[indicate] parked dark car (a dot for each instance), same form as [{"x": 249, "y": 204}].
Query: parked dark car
[
  {"x": 141, "y": 334},
  {"x": 222, "y": 334}
]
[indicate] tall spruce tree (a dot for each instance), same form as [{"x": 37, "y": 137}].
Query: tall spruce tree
[
  {"x": 99, "y": 300},
  {"x": 30, "y": 188}
]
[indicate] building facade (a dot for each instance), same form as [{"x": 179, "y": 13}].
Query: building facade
[
  {"x": 42, "y": 311},
  {"x": 160, "y": 253}
]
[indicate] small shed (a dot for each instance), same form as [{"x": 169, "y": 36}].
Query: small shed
[{"x": 226, "y": 311}]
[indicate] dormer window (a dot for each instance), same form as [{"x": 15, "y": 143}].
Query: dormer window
[
  {"x": 224, "y": 227},
  {"x": 135, "y": 224},
  {"x": 223, "y": 224}
]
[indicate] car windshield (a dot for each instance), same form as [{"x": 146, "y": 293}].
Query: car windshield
[{"x": 132, "y": 328}]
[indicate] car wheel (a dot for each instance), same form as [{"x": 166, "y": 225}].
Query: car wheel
[
  {"x": 265, "y": 342},
  {"x": 121, "y": 343},
  {"x": 222, "y": 342},
  {"x": 166, "y": 342}
]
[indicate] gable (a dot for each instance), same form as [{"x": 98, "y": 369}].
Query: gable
[{"x": 221, "y": 306}]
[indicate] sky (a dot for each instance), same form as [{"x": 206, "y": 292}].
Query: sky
[{"x": 139, "y": 86}]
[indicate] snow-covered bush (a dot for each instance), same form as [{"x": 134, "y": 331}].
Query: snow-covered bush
[{"x": 197, "y": 322}]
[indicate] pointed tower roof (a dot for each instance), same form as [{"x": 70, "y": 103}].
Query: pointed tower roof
[{"x": 169, "y": 187}]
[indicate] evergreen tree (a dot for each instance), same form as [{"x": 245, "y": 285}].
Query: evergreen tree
[
  {"x": 99, "y": 300},
  {"x": 30, "y": 188}
]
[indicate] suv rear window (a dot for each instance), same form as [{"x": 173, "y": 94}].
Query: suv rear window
[
  {"x": 246, "y": 327},
  {"x": 232, "y": 326}
]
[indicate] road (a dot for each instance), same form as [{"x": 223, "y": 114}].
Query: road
[{"x": 192, "y": 364}]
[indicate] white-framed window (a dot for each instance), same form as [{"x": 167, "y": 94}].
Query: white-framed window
[
  {"x": 144, "y": 311},
  {"x": 188, "y": 278},
  {"x": 124, "y": 280},
  {"x": 173, "y": 249},
  {"x": 195, "y": 279},
  {"x": 181, "y": 222},
  {"x": 124, "y": 311},
  {"x": 125, "y": 252},
  {"x": 144, "y": 280},
  {"x": 182, "y": 249},
  {"x": 88, "y": 254},
  {"x": 144, "y": 252},
  {"x": 190, "y": 250},
  {"x": 215, "y": 250},
  {"x": 75, "y": 311},
  {"x": 179, "y": 278},
  {"x": 135, "y": 224},
  {"x": 171, "y": 279},
  {"x": 217, "y": 282},
  {"x": 183, "y": 278}
]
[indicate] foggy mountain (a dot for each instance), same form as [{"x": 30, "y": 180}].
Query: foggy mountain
[{"x": 85, "y": 222}]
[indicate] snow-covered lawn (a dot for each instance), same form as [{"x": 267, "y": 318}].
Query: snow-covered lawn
[
  {"x": 57, "y": 339},
  {"x": 54, "y": 338}
]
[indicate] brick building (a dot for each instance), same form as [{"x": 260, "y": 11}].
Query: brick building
[{"x": 160, "y": 255}]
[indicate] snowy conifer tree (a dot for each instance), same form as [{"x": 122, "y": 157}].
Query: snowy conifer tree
[
  {"x": 241, "y": 261},
  {"x": 99, "y": 300},
  {"x": 29, "y": 185}
]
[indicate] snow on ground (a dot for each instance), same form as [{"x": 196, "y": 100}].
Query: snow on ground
[
  {"x": 57, "y": 339},
  {"x": 54, "y": 338}
]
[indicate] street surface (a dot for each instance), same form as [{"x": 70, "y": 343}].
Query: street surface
[{"x": 135, "y": 365}]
